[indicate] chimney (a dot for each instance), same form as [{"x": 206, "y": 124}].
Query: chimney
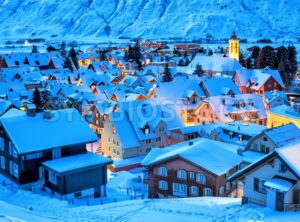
[
  {"x": 30, "y": 109},
  {"x": 191, "y": 143},
  {"x": 47, "y": 114}
]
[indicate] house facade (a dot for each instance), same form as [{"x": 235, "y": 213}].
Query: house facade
[
  {"x": 273, "y": 181},
  {"x": 258, "y": 81},
  {"x": 137, "y": 127},
  {"x": 226, "y": 109},
  {"x": 183, "y": 170},
  {"x": 270, "y": 139},
  {"x": 281, "y": 115},
  {"x": 44, "y": 137}
]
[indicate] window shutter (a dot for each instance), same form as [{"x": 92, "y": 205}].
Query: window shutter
[{"x": 256, "y": 184}]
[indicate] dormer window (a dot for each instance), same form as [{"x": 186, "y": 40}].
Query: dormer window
[
  {"x": 146, "y": 129},
  {"x": 282, "y": 168}
]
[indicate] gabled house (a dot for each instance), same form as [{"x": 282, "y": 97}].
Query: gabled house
[
  {"x": 273, "y": 99},
  {"x": 274, "y": 180},
  {"x": 136, "y": 127},
  {"x": 186, "y": 94},
  {"x": 227, "y": 109},
  {"x": 217, "y": 86},
  {"x": 258, "y": 80},
  {"x": 283, "y": 114},
  {"x": 270, "y": 139},
  {"x": 100, "y": 112},
  {"x": 189, "y": 169},
  {"x": 50, "y": 147},
  {"x": 37, "y": 60},
  {"x": 238, "y": 133},
  {"x": 214, "y": 64}
]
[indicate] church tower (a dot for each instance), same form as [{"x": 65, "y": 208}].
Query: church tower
[{"x": 234, "y": 47}]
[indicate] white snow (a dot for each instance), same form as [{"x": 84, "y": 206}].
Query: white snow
[
  {"x": 279, "y": 184},
  {"x": 201, "y": 152},
  {"x": 149, "y": 19},
  {"x": 30, "y": 134},
  {"x": 75, "y": 162}
]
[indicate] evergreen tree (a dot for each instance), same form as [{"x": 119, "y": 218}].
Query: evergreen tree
[
  {"x": 248, "y": 63},
  {"x": 292, "y": 57},
  {"x": 34, "y": 49},
  {"x": 137, "y": 55},
  {"x": 37, "y": 100},
  {"x": 63, "y": 51},
  {"x": 198, "y": 71},
  {"x": 46, "y": 99},
  {"x": 167, "y": 77},
  {"x": 283, "y": 69},
  {"x": 266, "y": 57},
  {"x": 102, "y": 55},
  {"x": 68, "y": 64},
  {"x": 210, "y": 52},
  {"x": 73, "y": 56},
  {"x": 255, "y": 54}
]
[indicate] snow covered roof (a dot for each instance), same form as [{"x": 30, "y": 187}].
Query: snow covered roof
[
  {"x": 213, "y": 63},
  {"x": 208, "y": 154},
  {"x": 4, "y": 106},
  {"x": 76, "y": 162},
  {"x": 124, "y": 129},
  {"x": 289, "y": 154},
  {"x": 37, "y": 59},
  {"x": 179, "y": 89},
  {"x": 257, "y": 77},
  {"x": 134, "y": 116},
  {"x": 250, "y": 129},
  {"x": 270, "y": 96},
  {"x": 284, "y": 135},
  {"x": 101, "y": 67},
  {"x": 35, "y": 133},
  {"x": 286, "y": 111},
  {"x": 219, "y": 86},
  {"x": 279, "y": 184},
  {"x": 242, "y": 103}
]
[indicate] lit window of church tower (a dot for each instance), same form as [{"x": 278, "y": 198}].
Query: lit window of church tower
[{"x": 234, "y": 47}]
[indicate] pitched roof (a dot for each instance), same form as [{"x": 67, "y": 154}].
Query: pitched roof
[
  {"x": 289, "y": 155},
  {"x": 224, "y": 105},
  {"x": 208, "y": 154},
  {"x": 219, "y": 86},
  {"x": 286, "y": 111},
  {"x": 76, "y": 162},
  {"x": 32, "y": 134},
  {"x": 258, "y": 77},
  {"x": 214, "y": 63},
  {"x": 284, "y": 135}
]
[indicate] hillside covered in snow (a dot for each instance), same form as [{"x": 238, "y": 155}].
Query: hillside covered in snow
[{"x": 150, "y": 18}]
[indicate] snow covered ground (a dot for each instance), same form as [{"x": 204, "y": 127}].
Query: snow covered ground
[
  {"x": 162, "y": 210},
  {"x": 20, "y": 206}
]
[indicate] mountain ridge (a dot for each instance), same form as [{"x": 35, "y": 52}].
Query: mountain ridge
[{"x": 150, "y": 18}]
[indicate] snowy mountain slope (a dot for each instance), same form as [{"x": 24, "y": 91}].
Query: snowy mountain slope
[{"x": 150, "y": 18}]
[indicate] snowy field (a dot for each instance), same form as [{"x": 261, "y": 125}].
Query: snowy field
[
  {"x": 163, "y": 210},
  {"x": 20, "y": 206}
]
